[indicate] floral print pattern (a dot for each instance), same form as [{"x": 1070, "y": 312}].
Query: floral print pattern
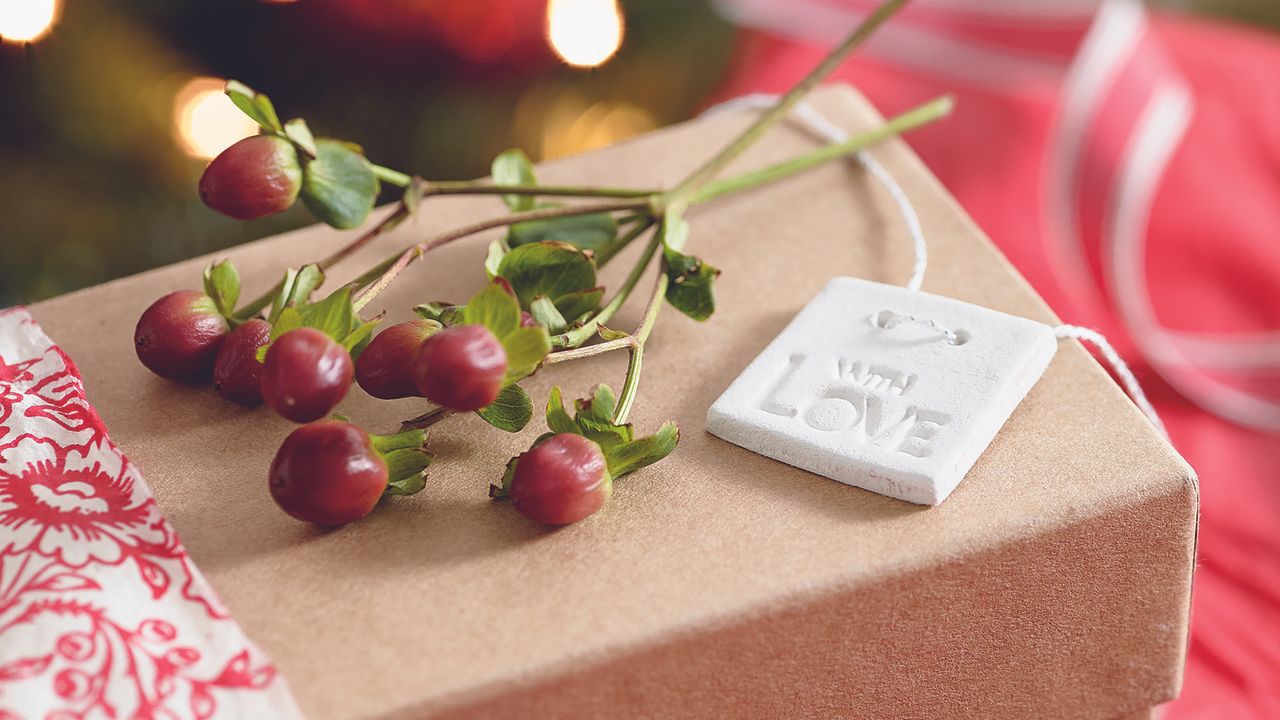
[{"x": 102, "y": 613}]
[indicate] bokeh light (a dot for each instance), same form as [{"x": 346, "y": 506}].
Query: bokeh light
[
  {"x": 27, "y": 20},
  {"x": 205, "y": 121},
  {"x": 584, "y": 33}
]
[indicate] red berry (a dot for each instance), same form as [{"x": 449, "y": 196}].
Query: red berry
[
  {"x": 179, "y": 335},
  {"x": 236, "y": 373},
  {"x": 305, "y": 375},
  {"x": 383, "y": 368},
  {"x": 461, "y": 368},
  {"x": 561, "y": 480},
  {"x": 257, "y": 176},
  {"x": 327, "y": 473}
]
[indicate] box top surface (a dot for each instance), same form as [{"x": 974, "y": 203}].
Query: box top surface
[{"x": 447, "y": 595}]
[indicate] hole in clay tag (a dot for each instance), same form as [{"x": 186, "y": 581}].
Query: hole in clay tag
[{"x": 888, "y": 389}]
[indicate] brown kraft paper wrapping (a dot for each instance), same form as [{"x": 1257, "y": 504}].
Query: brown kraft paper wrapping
[{"x": 1054, "y": 583}]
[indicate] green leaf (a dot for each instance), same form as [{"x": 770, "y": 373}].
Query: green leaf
[
  {"x": 338, "y": 186},
  {"x": 512, "y": 167},
  {"x": 355, "y": 340},
  {"x": 411, "y": 485},
  {"x": 603, "y": 403},
  {"x": 297, "y": 131},
  {"x": 222, "y": 283},
  {"x": 586, "y": 232},
  {"x": 296, "y": 288},
  {"x": 526, "y": 348},
  {"x": 544, "y": 313},
  {"x": 607, "y": 333},
  {"x": 689, "y": 286},
  {"x": 290, "y": 319},
  {"x": 414, "y": 438},
  {"x": 334, "y": 316},
  {"x": 632, "y": 456},
  {"x": 406, "y": 470},
  {"x": 594, "y": 416},
  {"x": 497, "y": 250},
  {"x": 555, "y": 270},
  {"x": 511, "y": 411},
  {"x": 254, "y": 104},
  {"x": 502, "y": 488},
  {"x": 557, "y": 419},
  {"x": 603, "y": 432},
  {"x": 444, "y": 313},
  {"x": 576, "y": 305},
  {"x": 496, "y": 309}
]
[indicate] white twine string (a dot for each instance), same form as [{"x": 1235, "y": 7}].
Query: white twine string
[
  {"x": 1118, "y": 367},
  {"x": 824, "y": 127},
  {"x": 818, "y": 123}
]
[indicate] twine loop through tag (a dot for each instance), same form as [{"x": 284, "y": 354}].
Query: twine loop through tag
[{"x": 888, "y": 320}]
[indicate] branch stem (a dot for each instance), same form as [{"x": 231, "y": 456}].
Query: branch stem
[
  {"x": 394, "y": 265},
  {"x": 482, "y": 187},
  {"x": 590, "y": 350},
  {"x": 921, "y": 115},
  {"x": 708, "y": 170},
  {"x": 391, "y": 177},
  {"x": 469, "y": 187},
  {"x": 385, "y": 225},
  {"x": 631, "y": 385}
]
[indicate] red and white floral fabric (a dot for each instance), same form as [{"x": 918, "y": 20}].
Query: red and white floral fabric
[{"x": 102, "y": 613}]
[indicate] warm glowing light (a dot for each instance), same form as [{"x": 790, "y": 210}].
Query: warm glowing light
[
  {"x": 584, "y": 33},
  {"x": 205, "y": 121},
  {"x": 568, "y": 132},
  {"x": 27, "y": 20}
]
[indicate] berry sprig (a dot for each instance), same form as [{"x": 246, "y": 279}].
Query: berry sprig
[
  {"x": 543, "y": 305},
  {"x": 568, "y": 473}
]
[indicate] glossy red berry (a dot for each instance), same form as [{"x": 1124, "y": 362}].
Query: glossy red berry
[
  {"x": 461, "y": 368},
  {"x": 561, "y": 480},
  {"x": 305, "y": 375},
  {"x": 327, "y": 473},
  {"x": 384, "y": 367},
  {"x": 179, "y": 335},
  {"x": 257, "y": 176},
  {"x": 237, "y": 371}
]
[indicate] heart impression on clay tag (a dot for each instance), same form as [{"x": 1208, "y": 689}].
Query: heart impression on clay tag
[{"x": 893, "y": 390}]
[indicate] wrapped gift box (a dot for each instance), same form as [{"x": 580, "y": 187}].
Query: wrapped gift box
[{"x": 1054, "y": 582}]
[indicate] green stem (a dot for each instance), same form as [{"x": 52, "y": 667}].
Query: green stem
[
  {"x": 474, "y": 187},
  {"x": 914, "y": 118},
  {"x": 631, "y": 385},
  {"x": 394, "y": 265},
  {"x": 708, "y": 170},
  {"x": 577, "y": 336},
  {"x": 391, "y": 177},
  {"x": 469, "y": 187}
]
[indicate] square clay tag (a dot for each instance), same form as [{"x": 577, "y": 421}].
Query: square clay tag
[{"x": 892, "y": 390}]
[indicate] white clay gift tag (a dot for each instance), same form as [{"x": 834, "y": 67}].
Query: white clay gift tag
[{"x": 893, "y": 390}]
